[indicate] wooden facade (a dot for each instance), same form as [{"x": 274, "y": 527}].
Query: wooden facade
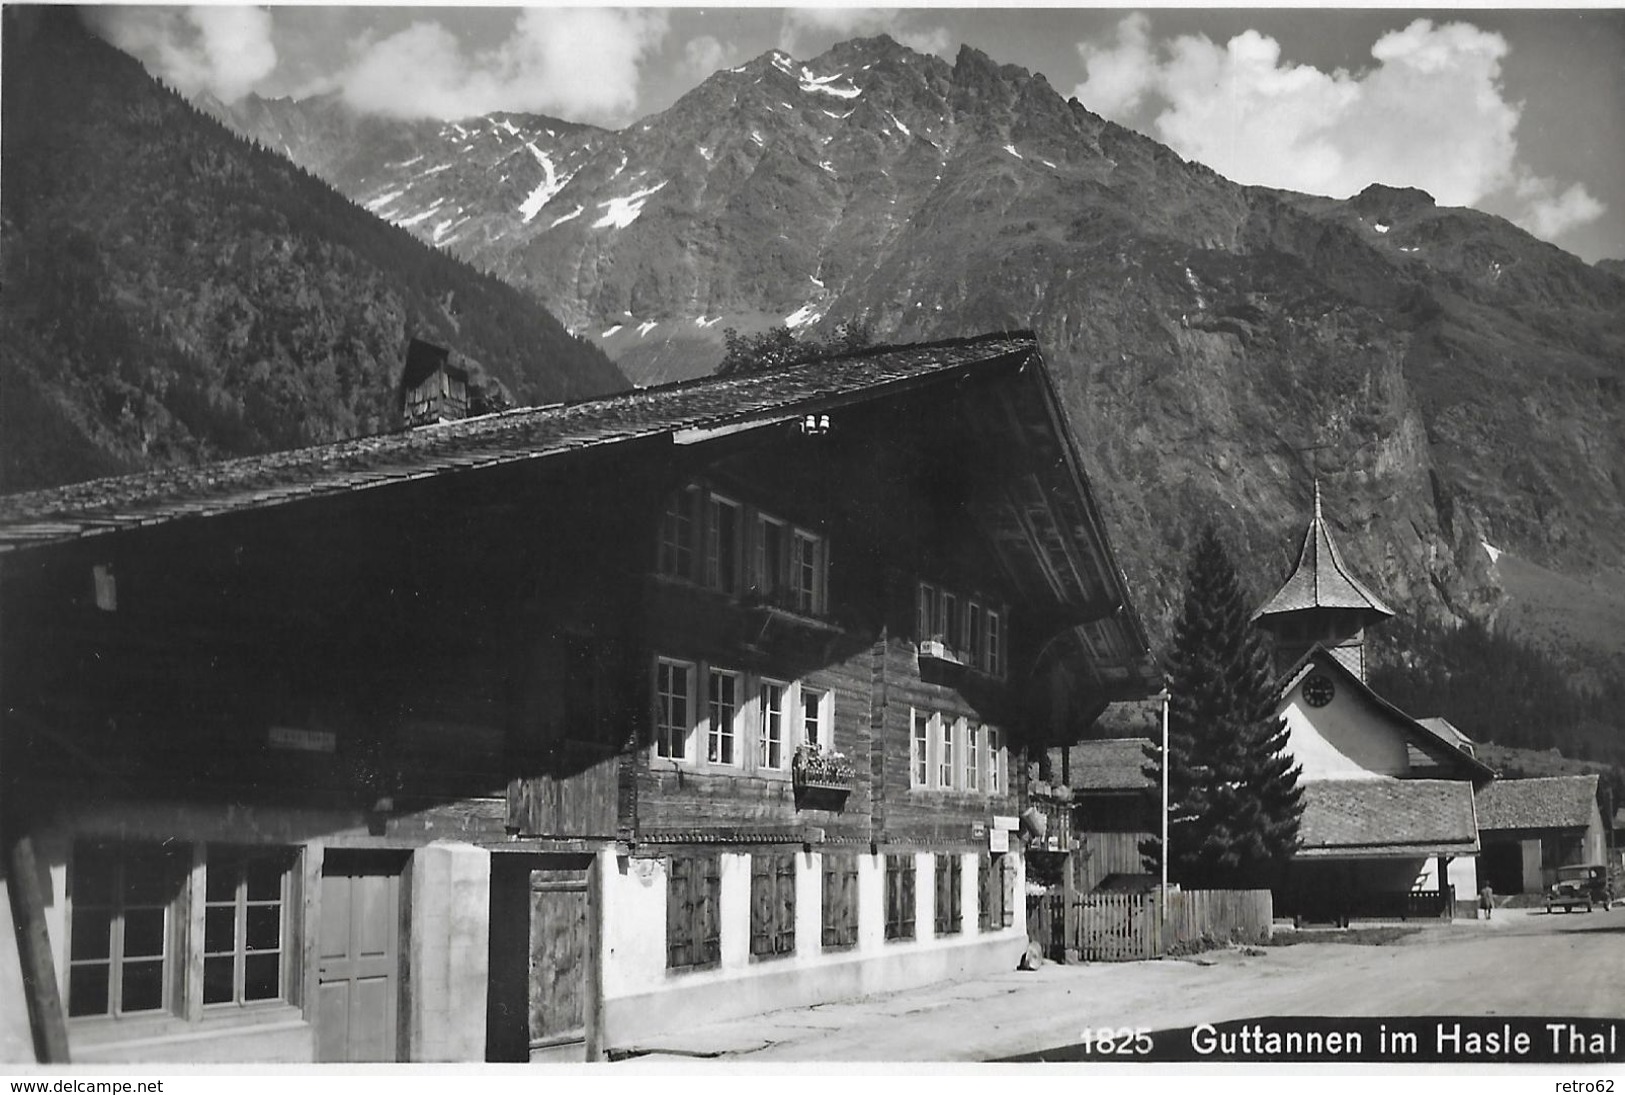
[{"x": 657, "y": 646}]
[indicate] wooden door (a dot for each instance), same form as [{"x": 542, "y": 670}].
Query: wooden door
[
  {"x": 358, "y": 963},
  {"x": 558, "y": 956}
]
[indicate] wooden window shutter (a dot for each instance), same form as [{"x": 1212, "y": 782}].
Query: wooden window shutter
[
  {"x": 948, "y": 905},
  {"x": 772, "y": 903},
  {"x": 840, "y": 920},
  {"x": 1006, "y": 899},
  {"x": 900, "y": 896},
  {"x": 784, "y": 936},
  {"x": 708, "y": 924},
  {"x": 679, "y": 913},
  {"x": 849, "y": 901},
  {"x": 832, "y": 897},
  {"x": 984, "y": 904},
  {"x": 762, "y": 902}
]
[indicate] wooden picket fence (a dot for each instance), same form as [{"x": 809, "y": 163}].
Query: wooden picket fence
[{"x": 1129, "y": 927}]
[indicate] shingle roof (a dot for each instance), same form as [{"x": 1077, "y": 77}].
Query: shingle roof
[
  {"x": 1112, "y": 764},
  {"x": 1357, "y": 818},
  {"x": 154, "y": 497},
  {"x": 1321, "y": 579},
  {"x": 1546, "y": 802}
]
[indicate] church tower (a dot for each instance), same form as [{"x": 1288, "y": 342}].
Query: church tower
[{"x": 1321, "y": 602}]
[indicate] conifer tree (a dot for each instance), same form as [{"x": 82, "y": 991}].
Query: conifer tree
[{"x": 1232, "y": 788}]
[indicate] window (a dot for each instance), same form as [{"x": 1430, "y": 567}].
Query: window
[
  {"x": 995, "y": 761},
  {"x": 244, "y": 930},
  {"x": 900, "y": 896},
  {"x": 950, "y": 876},
  {"x": 973, "y": 630},
  {"x": 815, "y": 718},
  {"x": 772, "y": 904},
  {"x": 739, "y": 721},
  {"x": 677, "y": 535},
  {"x": 948, "y": 619},
  {"x": 674, "y": 707},
  {"x": 722, "y": 713},
  {"x": 995, "y": 644},
  {"x": 807, "y": 572},
  {"x": 693, "y": 891},
  {"x": 124, "y": 932},
  {"x": 770, "y": 546},
  {"x": 128, "y": 910},
  {"x": 770, "y": 737},
  {"x": 917, "y": 748},
  {"x": 926, "y": 621},
  {"x": 840, "y": 926},
  {"x": 722, "y": 545},
  {"x": 945, "y": 753},
  {"x": 973, "y": 756}
]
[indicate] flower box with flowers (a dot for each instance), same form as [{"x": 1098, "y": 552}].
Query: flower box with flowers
[{"x": 815, "y": 769}]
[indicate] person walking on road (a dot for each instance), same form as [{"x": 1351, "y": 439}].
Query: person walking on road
[{"x": 1486, "y": 900}]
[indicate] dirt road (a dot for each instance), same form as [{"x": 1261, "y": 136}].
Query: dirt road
[{"x": 1522, "y": 963}]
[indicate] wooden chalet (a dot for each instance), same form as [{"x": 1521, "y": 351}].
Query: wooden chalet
[
  {"x": 539, "y": 733},
  {"x": 1388, "y": 827}
]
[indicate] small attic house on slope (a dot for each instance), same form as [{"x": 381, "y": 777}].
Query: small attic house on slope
[
  {"x": 1388, "y": 825},
  {"x": 432, "y": 388},
  {"x": 687, "y": 703}
]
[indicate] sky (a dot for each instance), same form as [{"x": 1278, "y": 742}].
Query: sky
[{"x": 1516, "y": 112}]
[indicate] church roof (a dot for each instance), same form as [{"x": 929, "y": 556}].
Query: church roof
[{"x": 1321, "y": 579}]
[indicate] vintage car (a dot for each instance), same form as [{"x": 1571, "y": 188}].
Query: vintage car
[{"x": 1582, "y": 884}]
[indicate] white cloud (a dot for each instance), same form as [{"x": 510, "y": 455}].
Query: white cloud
[
  {"x": 1430, "y": 113},
  {"x": 1548, "y": 214},
  {"x": 1119, "y": 76},
  {"x": 581, "y": 63},
  {"x": 224, "y": 51},
  {"x": 705, "y": 55},
  {"x": 806, "y": 31}
]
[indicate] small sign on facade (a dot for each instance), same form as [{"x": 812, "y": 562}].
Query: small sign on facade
[
  {"x": 307, "y": 741},
  {"x": 998, "y": 840}
]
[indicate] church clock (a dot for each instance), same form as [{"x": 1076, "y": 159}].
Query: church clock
[{"x": 1319, "y": 690}]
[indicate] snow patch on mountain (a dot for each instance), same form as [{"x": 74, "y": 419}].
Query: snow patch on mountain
[
  {"x": 824, "y": 84},
  {"x": 620, "y": 212},
  {"x": 383, "y": 199},
  {"x": 903, "y": 128},
  {"x": 547, "y": 189},
  {"x": 1010, "y": 148},
  {"x": 570, "y": 216},
  {"x": 1493, "y": 552},
  {"x": 645, "y": 327},
  {"x": 407, "y": 222},
  {"x": 408, "y": 163},
  {"x": 807, "y": 313}
]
